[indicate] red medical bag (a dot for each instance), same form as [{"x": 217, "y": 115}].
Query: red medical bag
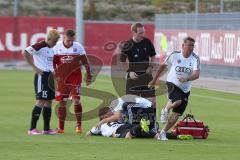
[{"x": 189, "y": 126}]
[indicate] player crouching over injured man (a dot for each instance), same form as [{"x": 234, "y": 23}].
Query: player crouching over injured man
[
  {"x": 128, "y": 117},
  {"x": 118, "y": 129}
]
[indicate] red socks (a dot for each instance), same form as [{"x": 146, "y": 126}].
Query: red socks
[
  {"x": 61, "y": 117},
  {"x": 78, "y": 114}
]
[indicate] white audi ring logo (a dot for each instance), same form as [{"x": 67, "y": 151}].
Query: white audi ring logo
[{"x": 183, "y": 69}]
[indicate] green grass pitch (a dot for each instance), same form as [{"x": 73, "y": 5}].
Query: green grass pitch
[{"x": 221, "y": 111}]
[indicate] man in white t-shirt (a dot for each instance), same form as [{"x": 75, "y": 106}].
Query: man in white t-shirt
[
  {"x": 117, "y": 107},
  {"x": 40, "y": 57},
  {"x": 184, "y": 67}
]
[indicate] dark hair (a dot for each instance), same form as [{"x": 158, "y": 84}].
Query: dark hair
[
  {"x": 70, "y": 33},
  {"x": 103, "y": 111},
  {"x": 188, "y": 39},
  {"x": 135, "y": 26}
]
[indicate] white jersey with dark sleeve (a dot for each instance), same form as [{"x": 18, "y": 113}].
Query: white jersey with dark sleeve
[
  {"x": 75, "y": 49},
  {"x": 106, "y": 129},
  {"x": 42, "y": 55},
  {"x": 118, "y": 105},
  {"x": 181, "y": 67}
]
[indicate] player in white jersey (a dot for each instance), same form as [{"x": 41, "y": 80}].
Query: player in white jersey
[
  {"x": 106, "y": 129},
  {"x": 40, "y": 57},
  {"x": 184, "y": 67},
  {"x": 124, "y": 128},
  {"x": 135, "y": 112},
  {"x": 117, "y": 107},
  {"x": 119, "y": 129}
]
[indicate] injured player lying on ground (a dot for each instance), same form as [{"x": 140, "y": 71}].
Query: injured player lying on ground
[
  {"x": 118, "y": 129},
  {"x": 128, "y": 117}
]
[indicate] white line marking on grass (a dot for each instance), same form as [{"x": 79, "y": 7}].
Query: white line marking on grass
[
  {"x": 216, "y": 98},
  {"x": 218, "y": 90}
]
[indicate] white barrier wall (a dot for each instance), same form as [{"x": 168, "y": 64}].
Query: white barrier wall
[{"x": 217, "y": 44}]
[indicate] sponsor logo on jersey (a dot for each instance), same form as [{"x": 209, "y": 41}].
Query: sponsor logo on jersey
[
  {"x": 66, "y": 59},
  {"x": 50, "y": 58},
  {"x": 183, "y": 69}
]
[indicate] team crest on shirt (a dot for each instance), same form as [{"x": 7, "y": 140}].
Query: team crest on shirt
[
  {"x": 74, "y": 49},
  {"x": 178, "y": 61},
  {"x": 135, "y": 55}
]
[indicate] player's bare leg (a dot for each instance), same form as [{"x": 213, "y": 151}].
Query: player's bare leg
[
  {"x": 170, "y": 123},
  {"x": 128, "y": 135},
  {"x": 165, "y": 110}
]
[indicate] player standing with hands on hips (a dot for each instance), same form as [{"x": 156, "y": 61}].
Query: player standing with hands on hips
[{"x": 184, "y": 67}]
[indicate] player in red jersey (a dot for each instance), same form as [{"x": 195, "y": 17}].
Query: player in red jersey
[{"x": 69, "y": 55}]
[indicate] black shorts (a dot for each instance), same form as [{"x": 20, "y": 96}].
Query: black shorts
[
  {"x": 123, "y": 130},
  {"x": 174, "y": 94},
  {"x": 44, "y": 86},
  {"x": 135, "y": 130},
  {"x": 139, "y": 86}
]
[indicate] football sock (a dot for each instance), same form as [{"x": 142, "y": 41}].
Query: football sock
[
  {"x": 47, "y": 112},
  {"x": 35, "y": 116},
  {"x": 78, "y": 114},
  {"x": 165, "y": 109},
  {"x": 61, "y": 117},
  {"x": 163, "y": 132}
]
